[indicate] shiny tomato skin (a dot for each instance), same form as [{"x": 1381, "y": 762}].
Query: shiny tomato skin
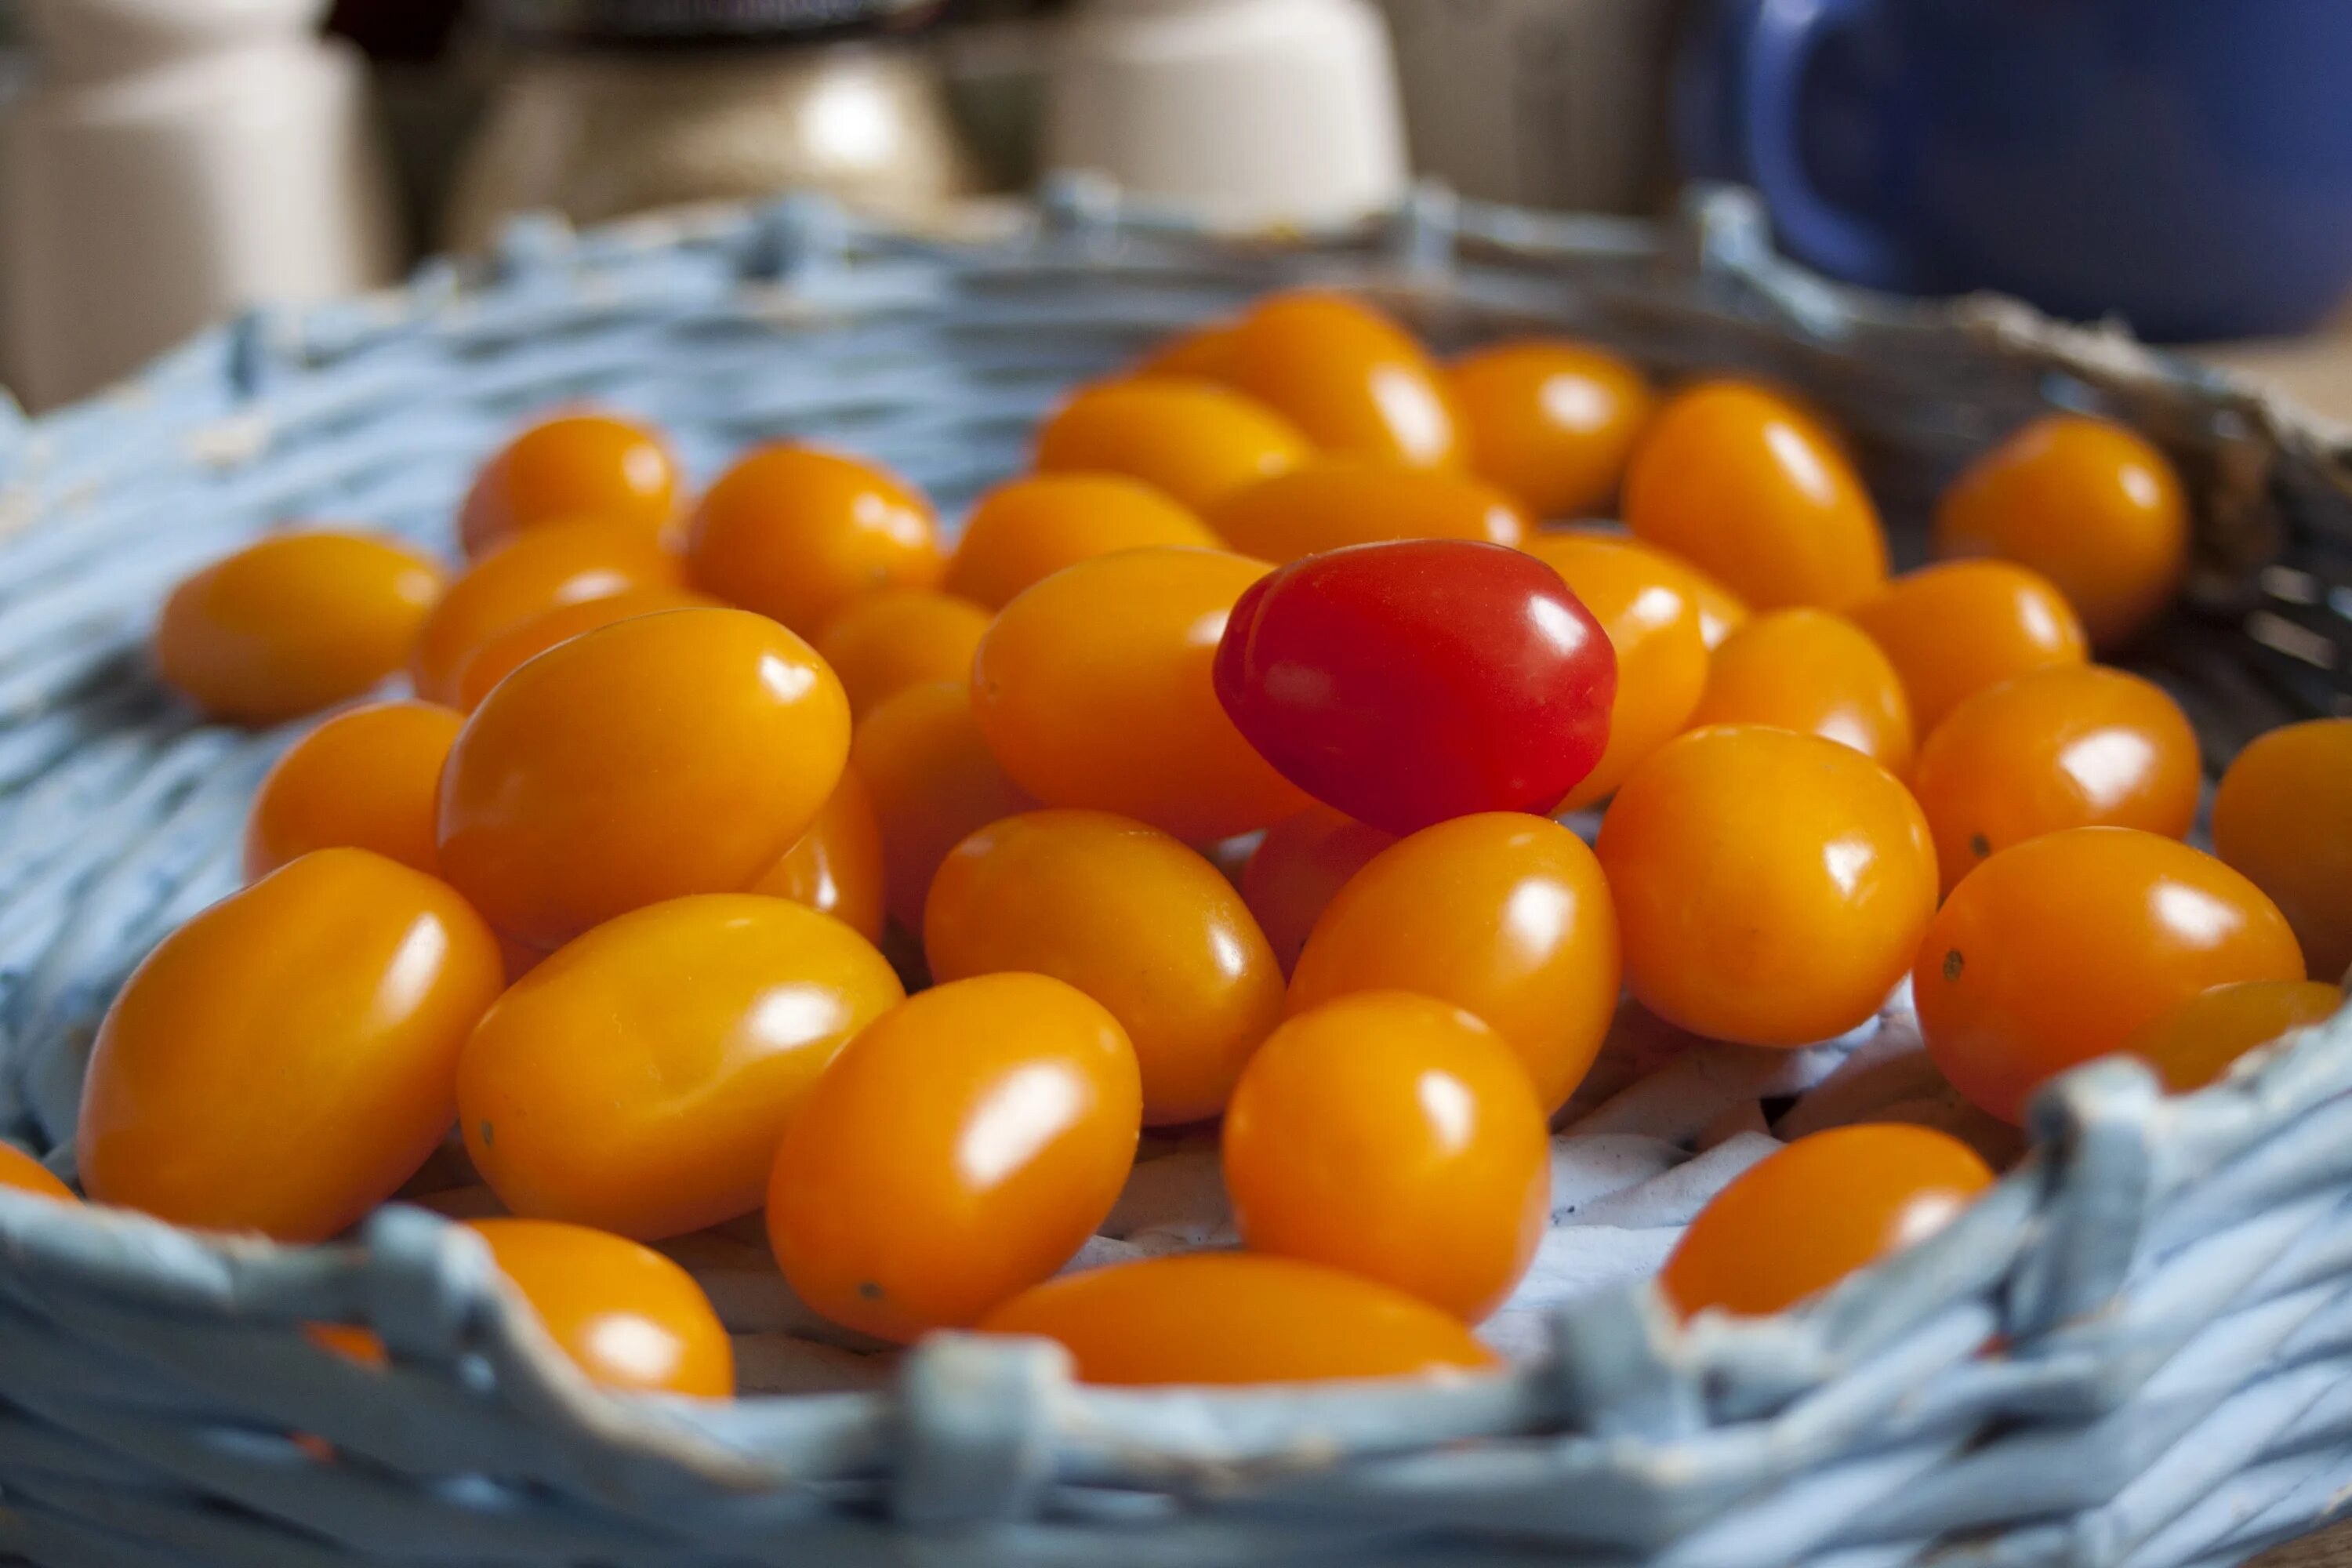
[
  {"x": 577, "y": 464},
  {"x": 838, "y": 868},
  {"x": 629, "y": 1318},
  {"x": 20, "y": 1171},
  {"x": 285, "y": 1061},
  {"x": 2197, "y": 1042},
  {"x": 1410, "y": 682},
  {"x": 365, "y": 779}
]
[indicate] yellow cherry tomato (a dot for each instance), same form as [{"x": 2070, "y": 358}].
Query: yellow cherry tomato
[
  {"x": 1747, "y": 487},
  {"x": 665, "y": 755},
  {"x": 1333, "y": 501},
  {"x": 1298, "y": 868},
  {"x": 1956, "y": 628},
  {"x": 2089, "y": 504},
  {"x": 502, "y": 654},
  {"x": 1093, "y": 690},
  {"x": 1397, "y": 1137},
  {"x": 1771, "y": 886},
  {"x": 1132, "y": 918},
  {"x": 1196, "y": 441},
  {"x": 1349, "y": 378},
  {"x": 573, "y": 466},
  {"x": 961, "y": 1148},
  {"x": 836, "y": 867},
  {"x": 934, "y": 781},
  {"x": 1237, "y": 1317},
  {"x": 1504, "y": 915},
  {"x": 628, "y": 1318},
  {"x": 2195, "y": 1043},
  {"x": 1800, "y": 1220},
  {"x": 2069, "y": 747},
  {"x": 285, "y": 1061},
  {"x": 19, "y": 1171},
  {"x": 1651, "y": 612},
  {"x": 1205, "y": 352},
  {"x": 1721, "y": 611},
  {"x": 1552, "y": 422},
  {"x": 293, "y": 623},
  {"x": 798, "y": 532},
  {"x": 363, "y": 780},
  {"x": 638, "y": 1081},
  {"x": 549, "y": 567},
  {"x": 2284, "y": 817},
  {"x": 2063, "y": 947},
  {"x": 1816, "y": 673},
  {"x": 1023, "y": 532},
  {"x": 886, "y": 642}
]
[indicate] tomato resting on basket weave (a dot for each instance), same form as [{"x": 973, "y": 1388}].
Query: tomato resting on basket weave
[{"x": 1405, "y": 683}]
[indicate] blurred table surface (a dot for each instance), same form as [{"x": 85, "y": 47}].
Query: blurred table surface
[
  {"x": 2316, "y": 371},
  {"x": 2331, "y": 1548}
]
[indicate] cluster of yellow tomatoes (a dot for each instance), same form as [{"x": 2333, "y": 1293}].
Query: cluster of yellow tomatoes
[{"x": 691, "y": 794}]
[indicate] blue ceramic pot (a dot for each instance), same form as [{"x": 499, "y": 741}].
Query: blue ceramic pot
[{"x": 2186, "y": 165}]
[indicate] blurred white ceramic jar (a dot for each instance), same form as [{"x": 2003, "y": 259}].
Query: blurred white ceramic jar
[
  {"x": 170, "y": 163},
  {"x": 1551, "y": 103},
  {"x": 1251, "y": 111}
]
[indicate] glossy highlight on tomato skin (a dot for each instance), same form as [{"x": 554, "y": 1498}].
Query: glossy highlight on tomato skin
[
  {"x": 1212, "y": 1317},
  {"x": 1133, "y": 918},
  {"x": 1956, "y": 628},
  {"x": 958, "y": 1152},
  {"x": 1804, "y": 1217},
  {"x": 1410, "y": 682},
  {"x": 574, "y": 465},
  {"x": 1196, "y": 441},
  {"x": 1505, "y": 915},
  {"x": 285, "y": 1059},
  {"x": 1552, "y": 422},
  {"x": 1397, "y": 1137},
  {"x": 630, "y": 1318},
  {"x": 2060, "y": 949},
  {"x": 639, "y": 1078},
  {"x": 838, "y": 868},
  {"x": 502, "y": 654},
  {"x": 1348, "y": 377},
  {"x": 1816, "y": 673},
  {"x": 1025, "y": 530},
  {"x": 797, "y": 532},
  {"x": 670, "y": 754},
  {"x": 1330, "y": 502}
]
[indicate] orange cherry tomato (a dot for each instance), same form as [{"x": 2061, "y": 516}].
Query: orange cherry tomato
[
  {"x": 628, "y": 1318},
  {"x": 2071, "y": 746},
  {"x": 1298, "y": 868},
  {"x": 886, "y": 642},
  {"x": 2063, "y": 947},
  {"x": 1552, "y": 422},
  {"x": 1504, "y": 915},
  {"x": 1194, "y": 440},
  {"x": 1771, "y": 886},
  {"x": 2284, "y": 817},
  {"x": 293, "y": 623},
  {"x": 797, "y": 532},
  {"x": 570, "y": 466},
  {"x": 1210, "y": 352},
  {"x": 1023, "y": 532},
  {"x": 661, "y": 756},
  {"x": 1232, "y": 1317},
  {"x": 1747, "y": 487},
  {"x": 1800, "y": 1220},
  {"x": 1095, "y": 689},
  {"x": 362, "y": 780},
  {"x": 836, "y": 868},
  {"x": 19, "y": 1171},
  {"x": 1650, "y": 612},
  {"x": 1396, "y": 1137},
  {"x": 2089, "y": 504},
  {"x": 1721, "y": 611},
  {"x": 1954, "y": 629},
  {"x": 1349, "y": 378},
  {"x": 514, "y": 584},
  {"x": 934, "y": 781},
  {"x": 285, "y": 1061},
  {"x": 1132, "y": 918},
  {"x": 965, "y": 1145},
  {"x": 1816, "y": 673},
  {"x": 638, "y": 1081},
  {"x": 2194, "y": 1043},
  {"x": 502, "y": 654},
  {"x": 1329, "y": 502}
]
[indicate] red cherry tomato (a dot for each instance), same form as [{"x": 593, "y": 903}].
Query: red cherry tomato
[{"x": 1410, "y": 682}]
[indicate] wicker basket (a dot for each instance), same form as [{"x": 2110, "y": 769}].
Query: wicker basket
[{"x": 2134, "y": 1350}]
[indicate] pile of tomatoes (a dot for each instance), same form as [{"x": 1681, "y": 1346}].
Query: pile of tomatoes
[{"x": 758, "y": 853}]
